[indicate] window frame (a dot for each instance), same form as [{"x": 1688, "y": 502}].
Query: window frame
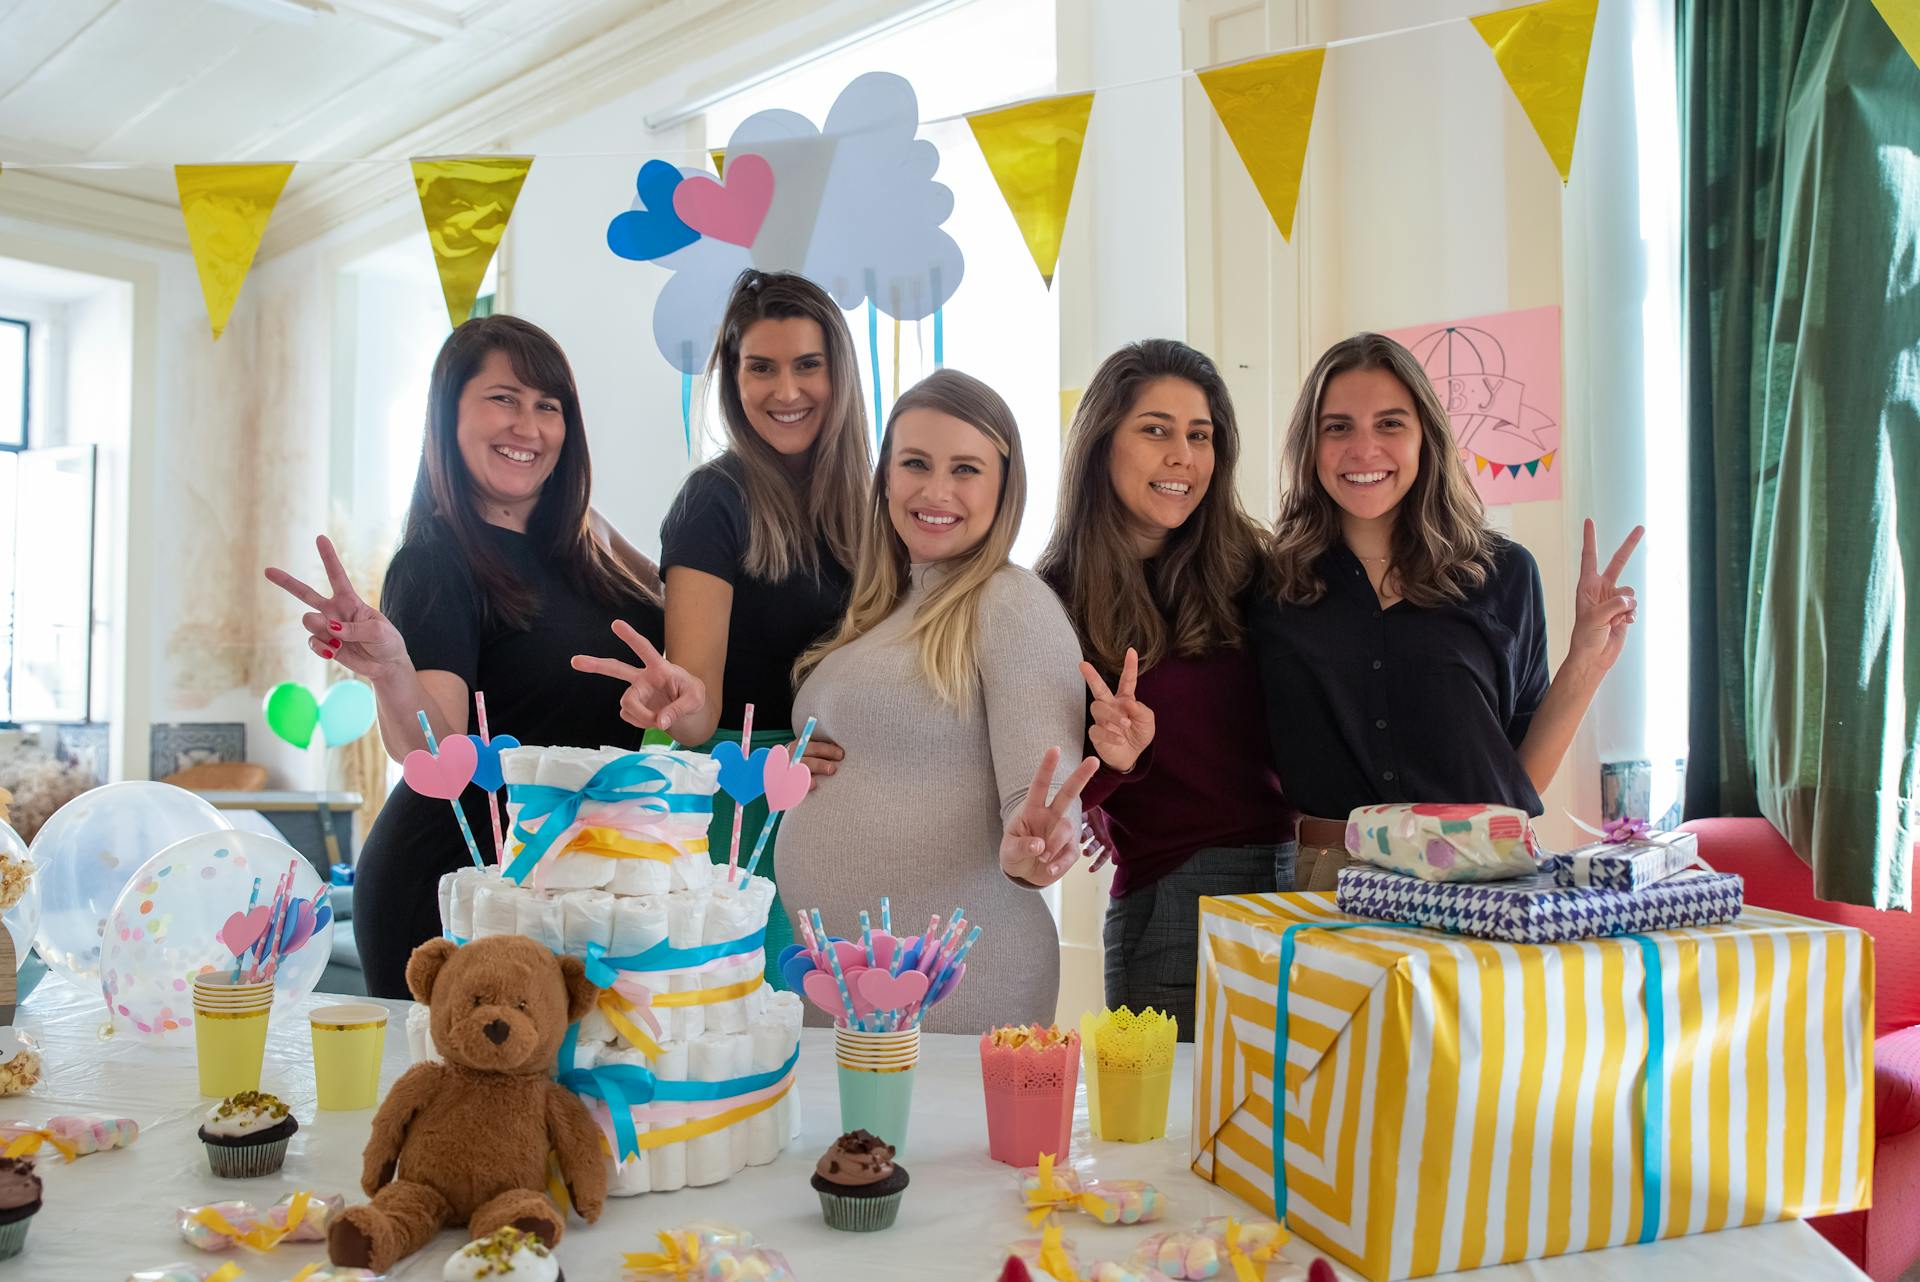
[{"x": 26, "y": 384}]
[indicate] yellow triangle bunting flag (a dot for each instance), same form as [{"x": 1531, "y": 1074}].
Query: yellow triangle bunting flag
[
  {"x": 1904, "y": 17},
  {"x": 1542, "y": 51},
  {"x": 1266, "y": 107},
  {"x": 467, "y": 201},
  {"x": 1033, "y": 150},
  {"x": 719, "y": 163},
  {"x": 226, "y": 208},
  {"x": 1546, "y": 461}
]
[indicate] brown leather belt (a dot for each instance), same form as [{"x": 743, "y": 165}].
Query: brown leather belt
[{"x": 1323, "y": 832}]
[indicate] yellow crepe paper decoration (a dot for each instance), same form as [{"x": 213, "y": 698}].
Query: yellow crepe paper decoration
[
  {"x": 1542, "y": 51},
  {"x": 1266, "y": 107},
  {"x": 1033, "y": 149},
  {"x": 1904, "y": 17},
  {"x": 226, "y": 208},
  {"x": 466, "y": 201}
]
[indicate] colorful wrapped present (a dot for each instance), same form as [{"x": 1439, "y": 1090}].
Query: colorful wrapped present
[
  {"x": 1538, "y": 909},
  {"x": 1627, "y": 864},
  {"x": 1443, "y": 842},
  {"x": 1451, "y": 1103}
]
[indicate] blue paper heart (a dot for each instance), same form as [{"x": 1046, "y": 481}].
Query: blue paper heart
[
  {"x": 742, "y": 777},
  {"x": 321, "y": 916},
  {"x": 795, "y": 971},
  {"x": 655, "y": 231},
  {"x": 486, "y": 771}
]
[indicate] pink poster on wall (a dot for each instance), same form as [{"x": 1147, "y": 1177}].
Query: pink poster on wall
[{"x": 1499, "y": 377}]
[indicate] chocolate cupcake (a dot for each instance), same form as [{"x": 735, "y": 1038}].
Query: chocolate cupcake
[
  {"x": 19, "y": 1202},
  {"x": 859, "y": 1183},
  {"x": 246, "y": 1135},
  {"x": 505, "y": 1255}
]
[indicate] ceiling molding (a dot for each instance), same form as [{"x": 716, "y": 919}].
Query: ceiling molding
[
  {"x": 641, "y": 51},
  {"x": 56, "y": 202}
]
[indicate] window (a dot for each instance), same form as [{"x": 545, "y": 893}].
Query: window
[{"x": 46, "y": 555}]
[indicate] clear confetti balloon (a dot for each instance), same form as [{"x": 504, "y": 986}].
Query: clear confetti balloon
[{"x": 88, "y": 852}]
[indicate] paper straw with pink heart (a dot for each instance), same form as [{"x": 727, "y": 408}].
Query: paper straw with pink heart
[{"x": 788, "y": 780}]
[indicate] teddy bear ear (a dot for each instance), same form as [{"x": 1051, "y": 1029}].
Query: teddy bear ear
[
  {"x": 424, "y": 967},
  {"x": 582, "y": 993}
]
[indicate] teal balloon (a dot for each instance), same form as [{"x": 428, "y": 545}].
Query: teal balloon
[
  {"x": 292, "y": 713},
  {"x": 347, "y": 712}
]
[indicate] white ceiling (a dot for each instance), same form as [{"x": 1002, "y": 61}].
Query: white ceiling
[{"x": 160, "y": 82}]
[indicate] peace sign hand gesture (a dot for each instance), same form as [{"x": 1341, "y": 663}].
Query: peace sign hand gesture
[
  {"x": 658, "y": 692},
  {"x": 342, "y": 626},
  {"x": 1122, "y": 725},
  {"x": 1603, "y": 609},
  {"x": 1039, "y": 844}
]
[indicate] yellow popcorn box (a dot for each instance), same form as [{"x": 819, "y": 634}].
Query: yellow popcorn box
[{"x": 1453, "y": 1102}]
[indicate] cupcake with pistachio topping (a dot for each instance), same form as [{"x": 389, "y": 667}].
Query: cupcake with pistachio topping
[
  {"x": 505, "y": 1255},
  {"x": 246, "y": 1135}
]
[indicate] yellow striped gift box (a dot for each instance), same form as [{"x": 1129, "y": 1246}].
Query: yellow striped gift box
[{"x": 1452, "y": 1102}]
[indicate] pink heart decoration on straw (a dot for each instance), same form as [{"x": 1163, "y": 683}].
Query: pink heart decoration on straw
[
  {"x": 853, "y": 954},
  {"x": 889, "y": 992},
  {"x": 824, "y": 993},
  {"x": 733, "y": 210},
  {"x": 787, "y": 783},
  {"x": 445, "y": 776},
  {"x": 243, "y": 930}
]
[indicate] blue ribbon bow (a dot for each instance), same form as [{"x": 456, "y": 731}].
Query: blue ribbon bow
[
  {"x": 629, "y": 778},
  {"x": 626, "y": 1087}
]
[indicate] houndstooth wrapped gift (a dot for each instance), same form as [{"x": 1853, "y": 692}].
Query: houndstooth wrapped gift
[
  {"x": 1626, "y": 865},
  {"x": 1445, "y": 1103},
  {"x": 1537, "y": 909}
]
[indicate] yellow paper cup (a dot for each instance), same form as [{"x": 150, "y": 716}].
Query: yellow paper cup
[
  {"x": 349, "y": 1042},
  {"x": 230, "y": 1033}
]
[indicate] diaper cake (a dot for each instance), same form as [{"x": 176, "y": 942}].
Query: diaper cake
[{"x": 687, "y": 1063}]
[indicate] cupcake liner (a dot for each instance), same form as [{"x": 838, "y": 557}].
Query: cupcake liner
[
  {"x": 246, "y": 1161},
  {"x": 13, "y": 1236},
  {"x": 860, "y": 1214}
]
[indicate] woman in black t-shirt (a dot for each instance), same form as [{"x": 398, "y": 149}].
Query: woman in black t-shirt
[
  {"x": 1404, "y": 654},
  {"x": 759, "y": 543},
  {"x": 503, "y": 574}
]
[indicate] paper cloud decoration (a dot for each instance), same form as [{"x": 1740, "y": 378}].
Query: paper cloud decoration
[{"x": 851, "y": 205}]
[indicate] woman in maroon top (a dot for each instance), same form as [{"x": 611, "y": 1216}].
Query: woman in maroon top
[{"x": 1156, "y": 561}]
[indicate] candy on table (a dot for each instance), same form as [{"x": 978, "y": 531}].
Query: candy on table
[
  {"x": 1255, "y": 1235},
  {"x": 1109, "y": 1201},
  {"x": 335, "y": 1273},
  {"x": 221, "y": 1226},
  {"x": 1183, "y": 1255},
  {"x": 1049, "y": 1257},
  {"x": 177, "y": 1273},
  {"x": 747, "y": 1264},
  {"x": 707, "y": 1252},
  {"x": 1129, "y": 1271},
  {"x": 19, "y": 1061},
  {"x": 81, "y": 1135}
]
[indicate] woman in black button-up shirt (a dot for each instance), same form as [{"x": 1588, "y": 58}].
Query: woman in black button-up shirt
[{"x": 1404, "y": 657}]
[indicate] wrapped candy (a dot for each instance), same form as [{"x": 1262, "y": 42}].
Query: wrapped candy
[
  {"x": 221, "y": 1226},
  {"x": 708, "y": 1253},
  {"x": 1047, "y": 1190},
  {"x": 1220, "y": 1244},
  {"x": 72, "y": 1135},
  {"x": 1128, "y": 1271},
  {"x": 19, "y": 1061},
  {"x": 187, "y": 1273},
  {"x": 1050, "y": 1256}
]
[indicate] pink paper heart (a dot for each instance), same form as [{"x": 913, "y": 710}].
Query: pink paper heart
[
  {"x": 853, "y": 954},
  {"x": 823, "y": 992},
  {"x": 891, "y": 992},
  {"x": 787, "y": 783},
  {"x": 243, "y": 930},
  {"x": 733, "y": 210},
  {"x": 445, "y": 776}
]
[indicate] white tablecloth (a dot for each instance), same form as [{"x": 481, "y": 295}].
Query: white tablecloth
[{"x": 109, "y": 1214}]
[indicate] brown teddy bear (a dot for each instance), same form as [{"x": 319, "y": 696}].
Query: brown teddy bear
[{"x": 469, "y": 1137}]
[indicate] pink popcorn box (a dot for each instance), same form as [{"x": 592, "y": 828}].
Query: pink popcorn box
[{"x": 1029, "y": 1099}]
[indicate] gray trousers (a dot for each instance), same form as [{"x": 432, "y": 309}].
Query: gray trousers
[{"x": 1152, "y": 935}]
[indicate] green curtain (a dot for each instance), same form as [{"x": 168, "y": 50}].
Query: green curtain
[{"x": 1801, "y": 136}]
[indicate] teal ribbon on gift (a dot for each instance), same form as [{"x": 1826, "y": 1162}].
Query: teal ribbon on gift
[
  {"x": 628, "y": 778},
  {"x": 1652, "y": 1083},
  {"x": 626, "y": 1087}
]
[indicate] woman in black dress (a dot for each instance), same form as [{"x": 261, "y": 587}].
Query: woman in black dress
[{"x": 504, "y": 573}]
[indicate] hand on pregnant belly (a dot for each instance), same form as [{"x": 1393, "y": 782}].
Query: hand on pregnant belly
[{"x": 1040, "y": 843}]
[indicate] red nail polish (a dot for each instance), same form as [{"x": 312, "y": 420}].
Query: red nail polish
[{"x": 333, "y": 624}]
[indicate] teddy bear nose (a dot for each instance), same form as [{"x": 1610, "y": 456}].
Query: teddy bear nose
[{"x": 497, "y": 1031}]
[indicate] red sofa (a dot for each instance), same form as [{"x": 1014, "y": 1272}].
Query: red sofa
[{"x": 1885, "y": 1240}]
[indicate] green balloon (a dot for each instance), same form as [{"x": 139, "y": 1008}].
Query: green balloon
[{"x": 292, "y": 713}]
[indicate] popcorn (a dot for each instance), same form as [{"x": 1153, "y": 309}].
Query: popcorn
[{"x": 1032, "y": 1036}]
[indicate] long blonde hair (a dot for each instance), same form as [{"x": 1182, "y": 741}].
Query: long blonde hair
[
  {"x": 1186, "y": 600},
  {"x": 947, "y": 622},
  {"x": 787, "y": 518},
  {"x": 1441, "y": 544}
]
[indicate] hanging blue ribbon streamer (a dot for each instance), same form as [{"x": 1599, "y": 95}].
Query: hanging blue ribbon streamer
[
  {"x": 619, "y": 780},
  {"x": 873, "y": 352},
  {"x": 686, "y": 410},
  {"x": 626, "y": 1087},
  {"x": 1653, "y": 1115},
  {"x": 939, "y": 324}
]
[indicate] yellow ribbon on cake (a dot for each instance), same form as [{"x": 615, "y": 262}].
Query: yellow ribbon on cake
[
  {"x": 262, "y": 1237},
  {"x": 704, "y": 1126},
  {"x": 708, "y": 996},
  {"x": 30, "y": 1142},
  {"x": 615, "y": 1005},
  {"x": 1053, "y": 1194},
  {"x": 609, "y": 843}
]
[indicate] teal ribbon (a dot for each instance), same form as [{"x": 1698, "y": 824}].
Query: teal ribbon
[
  {"x": 664, "y": 956},
  {"x": 626, "y": 1087},
  {"x": 625, "y": 778},
  {"x": 1653, "y": 1110}
]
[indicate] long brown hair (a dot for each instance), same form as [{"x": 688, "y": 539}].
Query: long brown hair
[
  {"x": 787, "y": 517},
  {"x": 1441, "y": 545},
  {"x": 444, "y": 493},
  {"x": 1185, "y": 599},
  {"x": 947, "y": 622}
]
